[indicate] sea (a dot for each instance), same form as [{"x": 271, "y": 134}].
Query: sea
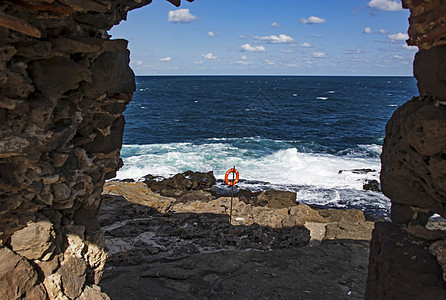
[{"x": 318, "y": 136}]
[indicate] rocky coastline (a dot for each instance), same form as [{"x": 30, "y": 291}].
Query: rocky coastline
[{"x": 172, "y": 238}]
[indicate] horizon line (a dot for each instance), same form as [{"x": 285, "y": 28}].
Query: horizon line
[{"x": 270, "y": 75}]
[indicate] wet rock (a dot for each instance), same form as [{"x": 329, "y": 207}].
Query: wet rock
[
  {"x": 371, "y": 185},
  {"x": 358, "y": 171},
  {"x": 179, "y": 184}
]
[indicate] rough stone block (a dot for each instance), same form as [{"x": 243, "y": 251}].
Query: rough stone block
[
  {"x": 33, "y": 240},
  {"x": 111, "y": 74},
  {"x": 17, "y": 277},
  {"x": 401, "y": 267},
  {"x": 72, "y": 273},
  {"x": 53, "y": 77},
  {"x": 430, "y": 71},
  {"x": 413, "y": 156}
]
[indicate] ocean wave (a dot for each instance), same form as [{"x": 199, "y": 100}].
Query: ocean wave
[{"x": 283, "y": 166}]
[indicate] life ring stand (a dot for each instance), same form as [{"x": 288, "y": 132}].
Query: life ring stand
[{"x": 237, "y": 176}]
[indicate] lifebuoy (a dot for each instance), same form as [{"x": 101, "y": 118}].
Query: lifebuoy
[{"x": 237, "y": 175}]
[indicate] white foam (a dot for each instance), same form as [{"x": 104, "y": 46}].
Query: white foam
[
  {"x": 286, "y": 166},
  {"x": 322, "y": 98}
]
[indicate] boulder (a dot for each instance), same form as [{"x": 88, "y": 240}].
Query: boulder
[
  {"x": 413, "y": 160},
  {"x": 430, "y": 71},
  {"x": 18, "y": 278},
  {"x": 179, "y": 184},
  {"x": 72, "y": 274},
  {"x": 371, "y": 185},
  {"x": 277, "y": 199},
  {"x": 34, "y": 240}
]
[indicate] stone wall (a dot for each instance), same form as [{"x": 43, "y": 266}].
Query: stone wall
[
  {"x": 408, "y": 259},
  {"x": 63, "y": 86}
]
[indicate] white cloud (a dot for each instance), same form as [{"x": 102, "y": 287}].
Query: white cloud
[
  {"x": 198, "y": 62},
  {"x": 136, "y": 63},
  {"x": 353, "y": 51},
  {"x": 286, "y": 51},
  {"x": 382, "y": 31},
  {"x": 209, "y": 56},
  {"x": 281, "y": 39},
  {"x": 249, "y": 48},
  {"x": 318, "y": 54},
  {"x": 368, "y": 30},
  {"x": 244, "y": 61},
  {"x": 182, "y": 15},
  {"x": 305, "y": 45},
  {"x": 168, "y": 58},
  {"x": 274, "y": 24},
  {"x": 407, "y": 47},
  {"x": 243, "y": 37},
  {"x": 398, "y": 37},
  {"x": 387, "y": 5},
  {"x": 312, "y": 20},
  {"x": 211, "y": 34},
  {"x": 396, "y": 56}
]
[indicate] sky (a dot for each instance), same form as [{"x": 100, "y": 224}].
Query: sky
[{"x": 259, "y": 37}]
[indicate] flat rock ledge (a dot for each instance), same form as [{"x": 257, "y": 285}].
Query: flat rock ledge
[{"x": 168, "y": 248}]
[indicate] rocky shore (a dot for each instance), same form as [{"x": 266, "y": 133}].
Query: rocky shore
[{"x": 173, "y": 239}]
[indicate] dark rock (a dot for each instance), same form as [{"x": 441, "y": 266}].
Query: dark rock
[
  {"x": 430, "y": 71},
  {"x": 105, "y": 144},
  {"x": 179, "y": 184},
  {"x": 413, "y": 156},
  {"x": 111, "y": 74},
  {"x": 55, "y": 76},
  {"x": 357, "y": 171},
  {"x": 371, "y": 185},
  {"x": 401, "y": 267}
]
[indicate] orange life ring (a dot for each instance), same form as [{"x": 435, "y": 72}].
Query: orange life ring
[{"x": 237, "y": 175}]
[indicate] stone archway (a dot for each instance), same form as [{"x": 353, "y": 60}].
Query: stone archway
[{"x": 64, "y": 85}]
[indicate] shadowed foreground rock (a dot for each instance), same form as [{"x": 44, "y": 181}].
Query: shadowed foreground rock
[{"x": 163, "y": 248}]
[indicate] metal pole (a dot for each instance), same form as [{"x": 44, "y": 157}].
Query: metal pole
[{"x": 232, "y": 195}]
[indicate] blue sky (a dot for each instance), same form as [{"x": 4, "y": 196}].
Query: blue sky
[{"x": 259, "y": 37}]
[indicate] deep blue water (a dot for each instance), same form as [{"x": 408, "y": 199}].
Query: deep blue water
[{"x": 291, "y": 132}]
